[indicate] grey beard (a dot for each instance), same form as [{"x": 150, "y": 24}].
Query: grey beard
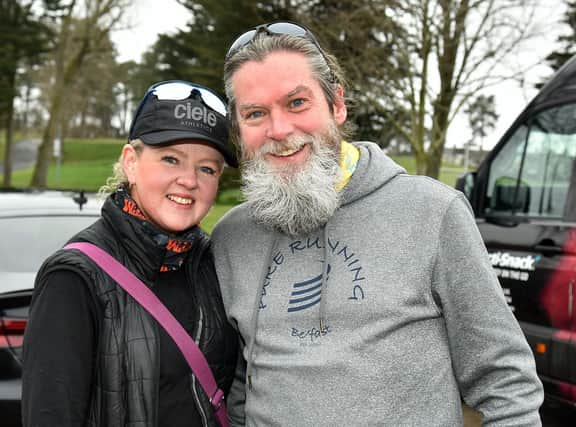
[{"x": 295, "y": 202}]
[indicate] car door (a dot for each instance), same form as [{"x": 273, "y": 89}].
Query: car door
[{"x": 527, "y": 222}]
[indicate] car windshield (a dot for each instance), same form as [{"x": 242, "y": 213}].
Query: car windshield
[{"x": 27, "y": 241}]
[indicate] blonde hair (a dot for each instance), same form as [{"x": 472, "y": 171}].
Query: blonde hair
[{"x": 119, "y": 178}]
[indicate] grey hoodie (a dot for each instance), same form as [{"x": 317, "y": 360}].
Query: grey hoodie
[{"x": 386, "y": 316}]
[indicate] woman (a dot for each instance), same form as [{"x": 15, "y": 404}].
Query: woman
[{"x": 92, "y": 355}]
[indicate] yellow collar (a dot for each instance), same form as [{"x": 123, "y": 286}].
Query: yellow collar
[{"x": 348, "y": 161}]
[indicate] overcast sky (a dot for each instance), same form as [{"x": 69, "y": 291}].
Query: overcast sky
[
  {"x": 144, "y": 21},
  {"x": 148, "y": 18}
]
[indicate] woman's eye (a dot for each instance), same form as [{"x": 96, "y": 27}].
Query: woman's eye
[
  {"x": 170, "y": 160},
  {"x": 207, "y": 170}
]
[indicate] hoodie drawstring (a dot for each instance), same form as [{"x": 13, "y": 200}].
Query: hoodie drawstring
[
  {"x": 256, "y": 311},
  {"x": 325, "y": 272}
]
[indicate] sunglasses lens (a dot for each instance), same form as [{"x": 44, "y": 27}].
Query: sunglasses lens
[
  {"x": 241, "y": 41},
  {"x": 175, "y": 91},
  {"x": 287, "y": 28},
  {"x": 278, "y": 28},
  {"x": 172, "y": 91},
  {"x": 213, "y": 101}
]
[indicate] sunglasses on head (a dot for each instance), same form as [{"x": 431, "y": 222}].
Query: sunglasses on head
[
  {"x": 276, "y": 28},
  {"x": 177, "y": 90}
]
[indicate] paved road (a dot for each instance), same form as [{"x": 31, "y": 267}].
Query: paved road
[{"x": 23, "y": 154}]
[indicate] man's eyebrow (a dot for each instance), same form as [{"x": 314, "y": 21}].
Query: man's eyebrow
[
  {"x": 298, "y": 89},
  {"x": 248, "y": 106}
]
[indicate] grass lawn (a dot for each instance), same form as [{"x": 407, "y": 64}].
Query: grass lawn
[
  {"x": 87, "y": 163},
  {"x": 214, "y": 215},
  {"x": 448, "y": 172}
]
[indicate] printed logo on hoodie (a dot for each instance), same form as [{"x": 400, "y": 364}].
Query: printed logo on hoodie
[
  {"x": 306, "y": 294},
  {"x": 294, "y": 288}
]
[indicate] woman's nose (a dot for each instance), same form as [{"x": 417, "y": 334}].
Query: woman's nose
[{"x": 188, "y": 179}]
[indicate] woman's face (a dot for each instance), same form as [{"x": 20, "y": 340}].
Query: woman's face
[{"x": 174, "y": 185}]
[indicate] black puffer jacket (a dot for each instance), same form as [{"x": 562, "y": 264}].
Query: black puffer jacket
[{"x": 128, "y": 336}]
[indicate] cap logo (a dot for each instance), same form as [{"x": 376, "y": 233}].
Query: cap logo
[{"x": 196, "y": 113}]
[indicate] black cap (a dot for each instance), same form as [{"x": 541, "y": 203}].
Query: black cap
[{"x": 164, "y": 121}]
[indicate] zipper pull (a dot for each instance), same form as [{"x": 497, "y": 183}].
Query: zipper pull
[
  {"x": 250, "y": 382},
  {"x": 321, "y": 325}
]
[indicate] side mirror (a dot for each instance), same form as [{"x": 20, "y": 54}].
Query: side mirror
[
  {"x": 465, "y": 183},
  {"x": 510, "y": 196}
]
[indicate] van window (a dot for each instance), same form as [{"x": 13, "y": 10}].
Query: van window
[{"x": 530, "y": 176}]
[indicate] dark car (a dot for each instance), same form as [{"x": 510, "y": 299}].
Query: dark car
[
  {"x": 524, "y": 199},
  {"x": 33, "y": 224}
]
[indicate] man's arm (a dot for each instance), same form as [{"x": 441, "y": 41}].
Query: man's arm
[{"x": 492, "y": 360}]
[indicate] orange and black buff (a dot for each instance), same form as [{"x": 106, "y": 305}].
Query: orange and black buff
[{"x": 176, "y": 246}]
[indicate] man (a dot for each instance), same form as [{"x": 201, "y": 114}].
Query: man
[{"x": 364, "y": 296}]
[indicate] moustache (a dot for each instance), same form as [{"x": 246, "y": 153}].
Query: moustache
[{"x": 293, "y": 143}]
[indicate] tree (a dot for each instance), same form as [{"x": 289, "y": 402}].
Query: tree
[
  {"x": 92, "y": 101},
  {"x": 482, "y": 117},
  {"x": 93, "y": 97},
  {"x": 365, "y": 37},
  {"x": 22, "y": 38},
  {"x": 567, "y": 42},
  {"x": 197, "y": 53},
  {"x": 452, "y": 50},
  {"x": 95, "y": 19},
  {"x": 126, "y": 93}
]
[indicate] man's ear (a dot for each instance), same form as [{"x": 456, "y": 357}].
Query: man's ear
[
  {"x": 129, "y": 158},
  {"x": 340, "y": 111}
]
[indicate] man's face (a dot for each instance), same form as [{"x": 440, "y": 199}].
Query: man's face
[
  {"x": 290, "y": 144},
  {"x": 278, "y": 99}
]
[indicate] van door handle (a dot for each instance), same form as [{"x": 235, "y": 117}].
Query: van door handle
[{"x": 548, "y": 247}]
